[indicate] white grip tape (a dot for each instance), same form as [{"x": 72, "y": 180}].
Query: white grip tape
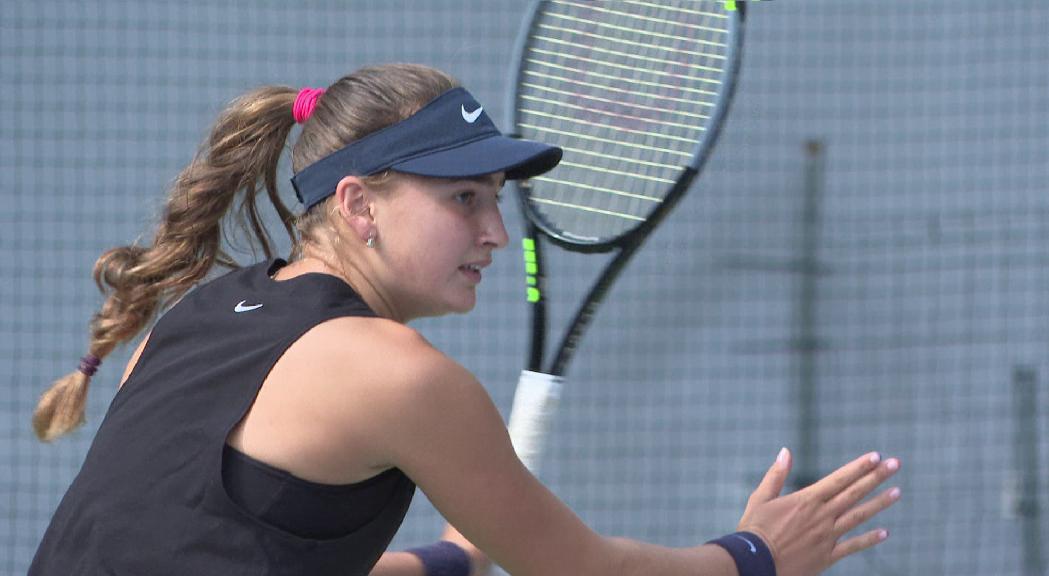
[{"x": 535, "y": 402}]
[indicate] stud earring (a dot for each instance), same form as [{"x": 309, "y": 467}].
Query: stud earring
[{"x": 370, "y": 243}]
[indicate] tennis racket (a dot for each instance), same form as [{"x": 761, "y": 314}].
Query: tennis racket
[{"x": 635, "y": 93}]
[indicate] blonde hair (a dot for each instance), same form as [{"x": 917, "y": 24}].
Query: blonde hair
[{"x": 235, "y": 164}]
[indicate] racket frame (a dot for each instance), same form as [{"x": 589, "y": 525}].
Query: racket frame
[{"x": 627, "y": 243}]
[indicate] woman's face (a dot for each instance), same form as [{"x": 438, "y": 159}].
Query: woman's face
[{"x": 433, "y": 239}]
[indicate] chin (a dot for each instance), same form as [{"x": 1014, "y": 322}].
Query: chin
[
  {"x": 451, "y": 308},
  {"x": 464, "y": 306}
]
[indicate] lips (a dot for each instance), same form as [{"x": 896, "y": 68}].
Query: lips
[
  {"x": 478, "y": 265},
  {"x": 473, "y": 269}
]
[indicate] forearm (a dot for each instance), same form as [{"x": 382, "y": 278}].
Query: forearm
[{"x": 634, "y": 558}]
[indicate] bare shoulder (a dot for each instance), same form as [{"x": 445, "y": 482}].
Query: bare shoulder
[
  {"x": 398, "y": 356},
  {"x": 368, "y": 383},
  {"x": 410, "y": 386}
]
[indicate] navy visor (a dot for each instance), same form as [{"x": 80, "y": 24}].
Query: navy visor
[{"x": 451, "y": 137}]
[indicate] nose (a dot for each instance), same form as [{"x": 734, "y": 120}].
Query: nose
[{"x": 494, "y": 234}]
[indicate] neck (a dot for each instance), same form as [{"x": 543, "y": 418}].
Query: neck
[{"x": 313, "y": 262}]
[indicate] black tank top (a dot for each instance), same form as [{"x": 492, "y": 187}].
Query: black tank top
[
  {"x": 150, "y": 497},
  {"x": 302, "y": 507}
]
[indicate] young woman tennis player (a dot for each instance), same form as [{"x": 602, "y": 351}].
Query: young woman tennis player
[{"x": 277, "y": 419}]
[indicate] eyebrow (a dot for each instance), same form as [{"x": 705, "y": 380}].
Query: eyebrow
[{"x": 485, "y": 179}]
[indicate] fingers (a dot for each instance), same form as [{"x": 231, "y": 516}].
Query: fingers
[
  {"x": 851, "y": 518},
  {"x": 860, "y": 514},
  {"x": 858, "y": 543},
  {"x": 809, "y": 526},
  {"x": 862, "y": 487},
  {"x": 772, "y": 484},
  {"x": 836, "y": 482}
]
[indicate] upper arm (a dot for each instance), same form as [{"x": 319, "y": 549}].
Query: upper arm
[{"x": 452, "y": 442}]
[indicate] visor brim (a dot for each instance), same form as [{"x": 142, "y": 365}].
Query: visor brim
[{"x": 519, "y": 159}]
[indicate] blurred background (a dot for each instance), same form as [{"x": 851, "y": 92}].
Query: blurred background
[{"x": 863, "y": 265}]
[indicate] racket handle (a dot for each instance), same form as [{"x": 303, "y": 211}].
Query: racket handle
[{"x": 535, "y": 402}]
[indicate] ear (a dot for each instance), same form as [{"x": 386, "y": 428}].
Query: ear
[{"x": 354, "y": 206}]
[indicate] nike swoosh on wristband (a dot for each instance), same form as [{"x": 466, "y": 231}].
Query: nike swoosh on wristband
[
  {"x": 240, "y": 307},
  {"x": 753, "y": 549},
  {"x": 471, "y": 117}
]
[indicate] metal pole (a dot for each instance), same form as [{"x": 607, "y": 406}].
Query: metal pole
[
  {"x": 807, "y": 340},
  {"x": 1025, "y": 446}
]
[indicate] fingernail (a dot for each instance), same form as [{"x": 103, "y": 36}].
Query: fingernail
[
  {"x": 781, "y": 459},
  {"x": 894, "y": 493},
  {"x": 875, "y": 458},
  {"x": 883, "y": 534},
  {"x": 893, "y": 464}
]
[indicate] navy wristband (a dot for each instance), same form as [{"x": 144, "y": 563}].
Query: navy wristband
[
  {"x": 443, "y": 558},
  {"x": 750, "y": 553}
]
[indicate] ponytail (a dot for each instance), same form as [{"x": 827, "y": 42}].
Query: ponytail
[{"x": 239, "y": 156}]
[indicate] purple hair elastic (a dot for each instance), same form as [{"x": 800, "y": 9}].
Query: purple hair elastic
[{"x": 89, "y": 365}]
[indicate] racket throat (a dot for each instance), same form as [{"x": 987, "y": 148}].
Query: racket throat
[{"x": 586, "y": 312}]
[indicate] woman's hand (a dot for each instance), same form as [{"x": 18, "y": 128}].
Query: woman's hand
[{"x": 805, "y": 530}]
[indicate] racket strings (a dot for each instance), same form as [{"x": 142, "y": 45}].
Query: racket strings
[
  {"x": 627, "y": 56},
  {"x": 682, "y": 114},
  {"x": 574, "y": 82},
  {"x": 628, "y": 89},
  {"x": 661, "y": 78},
  {"x": 618, "y": 122}
]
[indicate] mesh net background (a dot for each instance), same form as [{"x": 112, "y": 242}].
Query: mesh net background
[{"x": 889, "y": 292}]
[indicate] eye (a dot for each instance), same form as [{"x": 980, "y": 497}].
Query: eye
[{"x": 465, "y": 197}]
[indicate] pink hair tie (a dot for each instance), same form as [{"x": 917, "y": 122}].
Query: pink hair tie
[{"x": 305, "y": 102}]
